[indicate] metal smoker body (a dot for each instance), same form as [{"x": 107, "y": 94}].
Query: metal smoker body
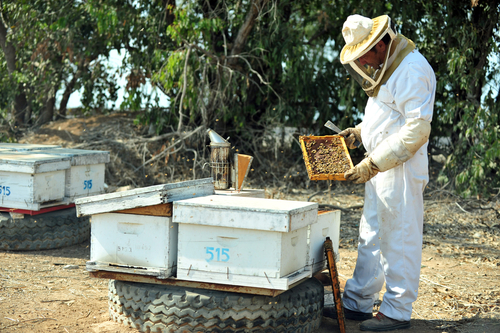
[{"x": 226, "y": 172}]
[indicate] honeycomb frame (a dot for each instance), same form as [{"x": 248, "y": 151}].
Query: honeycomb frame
[{"x": 337, "y": 142}]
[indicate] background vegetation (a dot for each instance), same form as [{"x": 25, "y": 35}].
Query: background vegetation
[{"x": 249, "y": 67}]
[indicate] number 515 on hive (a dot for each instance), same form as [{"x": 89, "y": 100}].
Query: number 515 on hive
[{"x": 217, "y": 254}]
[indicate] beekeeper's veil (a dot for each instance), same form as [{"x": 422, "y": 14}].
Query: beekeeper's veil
[{"x": 361, "y": 34}]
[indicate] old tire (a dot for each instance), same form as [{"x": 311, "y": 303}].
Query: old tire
[
  {"x": 44, "y": 231},
  {"x": 158, "y": 308}
]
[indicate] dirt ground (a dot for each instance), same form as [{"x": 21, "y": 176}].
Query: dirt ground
[{"x": 50, "y": 291}]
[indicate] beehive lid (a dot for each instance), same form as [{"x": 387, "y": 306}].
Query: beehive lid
[
  {"x": 25, "y": 146},
  {"x": 143, "y": 197},
  {"x": 246, "y": 213},
  {"x": 326, "y": 157},
  {"x": 79, "y": 156},
  {"x": 27, "y": 162}
]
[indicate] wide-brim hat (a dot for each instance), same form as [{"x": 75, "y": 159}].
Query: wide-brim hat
[{"x": 361, "y": 34}]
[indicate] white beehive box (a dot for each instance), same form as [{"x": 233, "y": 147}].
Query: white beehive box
[
  {"x": 132, "y": 231},
  {"x": 25, "y": 146},
  {"x": 327, "y": 225},
  {"x": 86, "y": 175},
  {"x": 32, "y": 181},
  {"x": 243, "y": 241},
  {"x": 130, "y": 243}
]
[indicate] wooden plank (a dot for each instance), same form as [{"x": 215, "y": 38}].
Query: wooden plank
[
  {"x": 143, "y": 197},
  {"x": 283, "y": 283},
  {"x": 118, "y": 203},
  {"x": 182, "y": 283},
  {"x": 330, "y": 256},
  {"x": 156, "y": 210},
  {"x": 93, "y": 266}
]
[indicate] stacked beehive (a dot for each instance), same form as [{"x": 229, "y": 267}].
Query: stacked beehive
[
  {"x": 184, "y": 231},
  {"x": 34, "y": 177}
]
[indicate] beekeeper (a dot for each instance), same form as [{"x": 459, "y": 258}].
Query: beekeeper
[{"x": 401, "y": 86}]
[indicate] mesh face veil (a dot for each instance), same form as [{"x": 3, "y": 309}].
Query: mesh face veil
[{"x": 367, "y": 76}]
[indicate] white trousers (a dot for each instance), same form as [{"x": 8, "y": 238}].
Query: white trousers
[{"x": 390, "y": 244}]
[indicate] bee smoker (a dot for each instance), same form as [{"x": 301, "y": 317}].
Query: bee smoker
[{"x": 226, "y": 173}]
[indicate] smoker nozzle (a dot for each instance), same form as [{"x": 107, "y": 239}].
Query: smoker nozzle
[{"x": 216, "y": 139}]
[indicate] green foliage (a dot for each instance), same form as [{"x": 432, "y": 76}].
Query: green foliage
[{"x": 284, "y": 72}]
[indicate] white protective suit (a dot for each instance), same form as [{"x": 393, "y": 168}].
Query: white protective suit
[{"x": 390, "y": 240}]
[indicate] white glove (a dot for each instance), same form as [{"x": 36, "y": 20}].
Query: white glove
[
  {"x": 351, "y": 134},
  {"x": 362, "y": 172}
]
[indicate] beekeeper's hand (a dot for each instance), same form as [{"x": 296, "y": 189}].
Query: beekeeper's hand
[
  {"x": 362, "y": 172},
  {"x": 351, "y": 135}
]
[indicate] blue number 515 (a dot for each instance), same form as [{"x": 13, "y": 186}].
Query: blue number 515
[{"x": 222, "y": 254}]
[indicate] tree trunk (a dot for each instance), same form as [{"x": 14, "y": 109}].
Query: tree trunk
[
  {"x": 67, "y": 92},
  {"x": 20, "y": 101},
  {"x": 48, "y": 111}
]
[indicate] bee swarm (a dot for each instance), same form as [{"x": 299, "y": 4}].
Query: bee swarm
[{"x": 327, "y": 156}]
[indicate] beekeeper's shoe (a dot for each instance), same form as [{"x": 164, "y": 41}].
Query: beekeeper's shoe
[
  {"x": 381, "y": 323},
  {"x": 331, "y": 312}
]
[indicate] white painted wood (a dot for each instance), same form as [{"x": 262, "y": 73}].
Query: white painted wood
[
  {"x": 142, "y": 197},
  {"x": 27, "y": 162},
  {"x": 327, "y": 225},
  {"x": 31, "y": 191},
  {"x": 86, "y": 175},
  {"x": 159, "y": 273},
  {"x": 25, "y": 146},
  {"x": 283, "y": 283},
  {"x": 148, "y": 244},
  {"x": 84, "y": 180},
  {"x": 78, "y": 156},
  {"x": 242, "y": 251},
  {"x": 254, "y": 193},
  {"x": 246, "y": 213}
]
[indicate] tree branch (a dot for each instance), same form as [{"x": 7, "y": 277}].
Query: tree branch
[
  {"x": 181, "y": 114},
  {"x": 239, "y": 43}
]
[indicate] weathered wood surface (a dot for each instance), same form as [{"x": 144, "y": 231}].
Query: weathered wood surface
[
  {"x": 142, "y": 197},
  {"x": 246, "y": 213},
  {"x": 332, "y": 267},
  {"x": 25, "y": 146},
  {"x": 79, "y": 156},
  {"x": 143, "y": 243},
  {"x": 183, "y": 283},
  {"x": 328, "y": 225},
  {"x": 31, "y": 191},
  {"x": 27, "y": 162},
  {"x": 283, "y": 283}
]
